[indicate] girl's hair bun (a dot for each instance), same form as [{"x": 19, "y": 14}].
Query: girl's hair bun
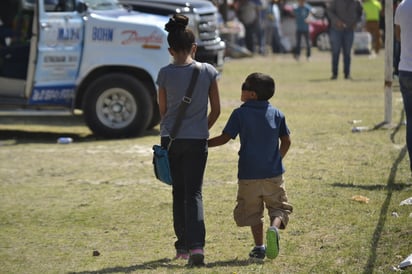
[{"x": 177, "y": 22}]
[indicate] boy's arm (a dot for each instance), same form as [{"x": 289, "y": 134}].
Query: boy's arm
[
  {"x": 218, "y": 140},
  {"x": 284, "y": 145}
]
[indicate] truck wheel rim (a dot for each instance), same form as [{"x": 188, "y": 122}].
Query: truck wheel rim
[
  {"x": 323, "y": 41},
  {"x": 116, "y": 108}
]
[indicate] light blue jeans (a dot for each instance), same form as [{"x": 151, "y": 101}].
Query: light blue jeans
[
  {"x": 341, "y": 39},
  {"x": 405, "y": 82}
]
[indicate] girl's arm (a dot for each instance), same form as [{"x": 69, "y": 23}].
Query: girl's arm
[
  {"x": 214, "y": 104},
  {"x": 162, "y": 101}
]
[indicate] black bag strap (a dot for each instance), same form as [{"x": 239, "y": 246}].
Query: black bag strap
[{"x": 186, "y": 100}]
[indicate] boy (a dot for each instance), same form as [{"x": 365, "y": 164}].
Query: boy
[
  {"x": 260, "y": 127},
  {"x": 302, "y": 13}
]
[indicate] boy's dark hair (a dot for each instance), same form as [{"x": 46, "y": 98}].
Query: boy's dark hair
[
  {"x": 179, "y": 38},
  {"x": 262, "y": 84}
]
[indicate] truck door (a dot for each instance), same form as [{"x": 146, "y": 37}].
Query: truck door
[
  {"x": 59, "y": 53},
  {"x": 16, "y": 22}
]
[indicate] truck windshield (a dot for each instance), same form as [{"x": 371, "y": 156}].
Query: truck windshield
[{"x": 103, "y": 4}]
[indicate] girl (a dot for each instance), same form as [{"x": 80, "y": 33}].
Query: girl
[{"x": 188, "y": 151}]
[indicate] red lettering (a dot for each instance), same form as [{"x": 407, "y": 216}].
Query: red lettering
[{"x": 133, "y": 37}]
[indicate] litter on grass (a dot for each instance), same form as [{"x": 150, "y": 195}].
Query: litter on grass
[
  {"x": 360, "y": 199},
  {"x": 405, "y": 263},
  {"x": 359, "y": 129},
  {"x": 407, "y": 201}
]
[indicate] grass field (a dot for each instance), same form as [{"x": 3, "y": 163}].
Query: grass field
[{"x": 61, "y": 203}]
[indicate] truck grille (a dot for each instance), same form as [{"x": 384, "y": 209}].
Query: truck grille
[{"x": 208, "y": 29}]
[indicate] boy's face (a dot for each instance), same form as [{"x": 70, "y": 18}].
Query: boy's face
[{"x": 247, "y": 93}]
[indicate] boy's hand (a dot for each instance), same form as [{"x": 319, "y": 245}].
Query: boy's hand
[{"x": 219, "y": 140}]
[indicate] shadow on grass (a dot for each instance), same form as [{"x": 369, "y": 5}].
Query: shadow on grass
[
  {"x": 390, "y": 187},
  {"x": 319, "y": 80},
  {"x": 27, "y": 134},
  {"x": 398, "y": 126},
  {"x": 164, "y": 263},
  {"x": 16, "y": 137},
  {"x": 384, "y": 212}
]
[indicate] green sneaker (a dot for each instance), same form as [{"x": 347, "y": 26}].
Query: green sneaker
[{"x": 272, "y": 242}]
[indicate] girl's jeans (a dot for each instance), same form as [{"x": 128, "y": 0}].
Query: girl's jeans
[
  {"x": 187, "y": 164},
  {"x": 405, "y": 82},
  {"x": 341, "y": 39}
]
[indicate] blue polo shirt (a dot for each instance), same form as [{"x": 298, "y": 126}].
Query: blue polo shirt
[
  {"x": 259, "y": 126},
  {"x": 301, "y": 13}
]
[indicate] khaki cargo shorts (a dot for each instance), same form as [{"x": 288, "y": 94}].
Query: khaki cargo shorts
[{"x": 253, "y": 195}]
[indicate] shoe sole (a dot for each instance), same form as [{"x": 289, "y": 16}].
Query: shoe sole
[
  {"x": 196, "y": 260},
  {"x": 272, "y": 244},
  {"x": 256, "y": 260}
]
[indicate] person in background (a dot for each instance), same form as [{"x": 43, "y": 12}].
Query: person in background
[
  {"x": 372, "y": 10},
  {"x": 274, "y": 31},
  {"x": 264, "y": 142},
  {"x": 188, "y": 151},
  {"x": 302, "y": 12},
  {"x": 249, "y": 13},
  {"x": 343, "y": 15},
  {"x": 262, "y": 36},
  {"x": 403, "y": 31},
  {"x": 396, "y": 45}
]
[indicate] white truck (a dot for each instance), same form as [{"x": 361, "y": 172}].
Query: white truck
[
  {"x": 203, "y": 20},
  {"x": 60, "y": 56}
]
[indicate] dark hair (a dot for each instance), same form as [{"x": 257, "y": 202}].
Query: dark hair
[
  {"x": 262, "y": 84},
  {"x": 179, "y": 38}
]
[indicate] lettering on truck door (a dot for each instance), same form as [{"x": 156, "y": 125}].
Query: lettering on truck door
[{"x": 59, "y": 53}]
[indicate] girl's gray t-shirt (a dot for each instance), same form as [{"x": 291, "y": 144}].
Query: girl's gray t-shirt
[{"x": 175, "y": 80}]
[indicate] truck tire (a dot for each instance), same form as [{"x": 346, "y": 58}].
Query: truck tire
[
  {"x": 323, "y": 41},
  {"x": 117, "y": 105}
]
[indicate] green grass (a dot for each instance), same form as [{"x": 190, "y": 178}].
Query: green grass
[{"x": 59, "y": 203}]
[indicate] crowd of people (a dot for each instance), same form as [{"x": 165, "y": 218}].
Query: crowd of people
[
  {"x": 258, "y": 23},
  {"x": 255, "y": 27}
]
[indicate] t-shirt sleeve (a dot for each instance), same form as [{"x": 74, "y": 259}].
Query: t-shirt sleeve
[
  {"x": 211, "y": 71},
  {"x": 283, "y": 128},
  {"x": 160, "y": 78},
  {"x": 396, "y": 18},
  {"x": 232, "y": 127}
]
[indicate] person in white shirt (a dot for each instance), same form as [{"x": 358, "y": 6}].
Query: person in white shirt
[{"x": 403, "y": 32}]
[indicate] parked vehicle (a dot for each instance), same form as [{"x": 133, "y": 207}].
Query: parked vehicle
[
  {"x": 58, "y": 56},
  {"x": 203, "y": 20},
  {"x": 319, "y": 33}
]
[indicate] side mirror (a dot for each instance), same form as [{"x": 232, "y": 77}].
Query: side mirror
[{"x": 81, "y": 7}]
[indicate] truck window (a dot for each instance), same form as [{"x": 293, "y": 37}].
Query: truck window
[
  {"x": 103, "y": 4},
  {"x": 59, "y": 5},
  {"x": 15, "y": 34}
]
